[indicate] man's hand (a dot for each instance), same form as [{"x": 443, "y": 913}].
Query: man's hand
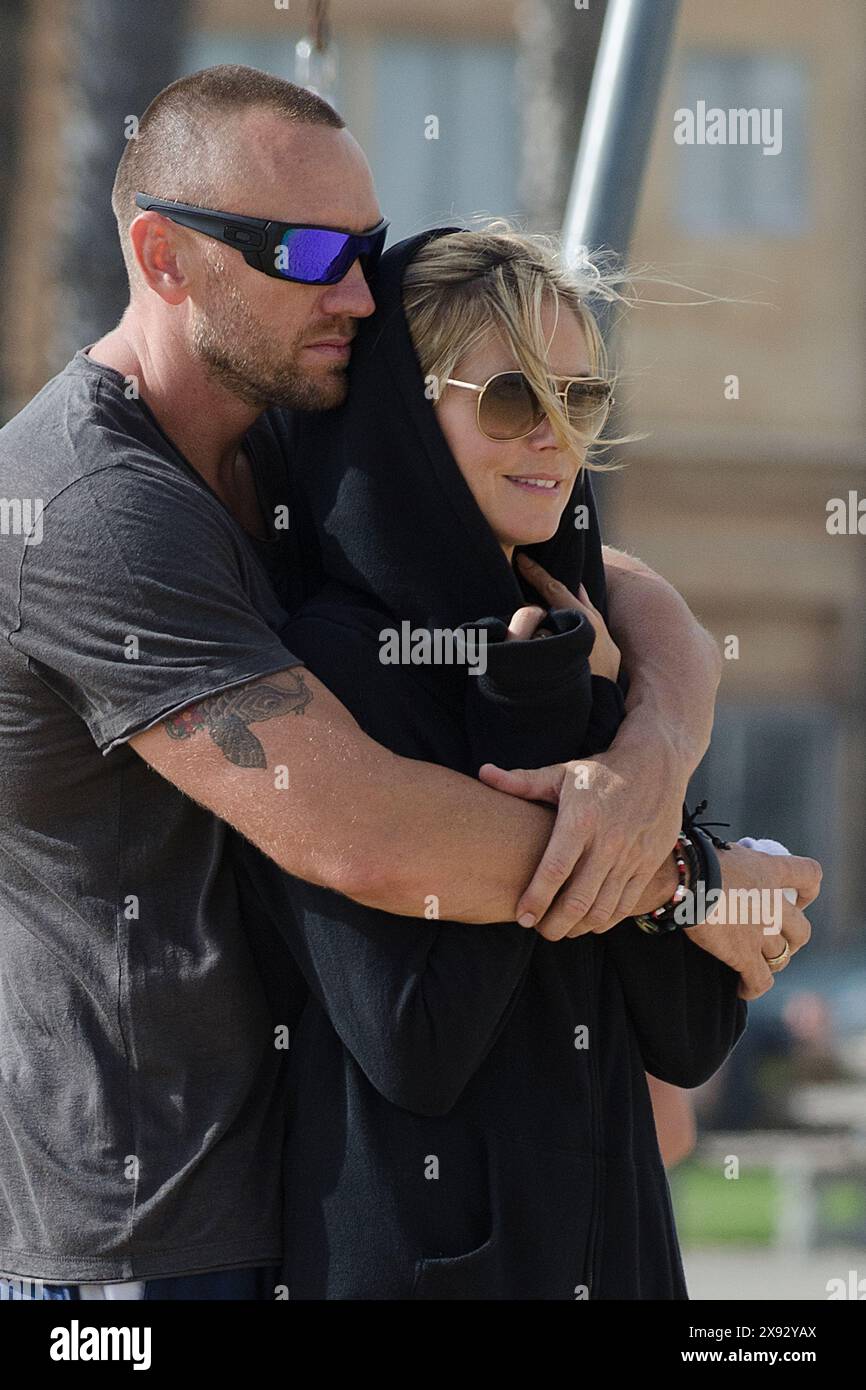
[{"x": 615, "y": 824}]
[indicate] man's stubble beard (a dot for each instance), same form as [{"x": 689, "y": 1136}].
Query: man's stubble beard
[{"x": 233, "y": 347}]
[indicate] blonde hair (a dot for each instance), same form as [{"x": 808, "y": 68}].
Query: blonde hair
[{"x": 465, "y": 284}]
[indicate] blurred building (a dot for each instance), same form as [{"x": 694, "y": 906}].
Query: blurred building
[
  {"x": 728, "y": 498},
  {"x": 755, "y": 411}
]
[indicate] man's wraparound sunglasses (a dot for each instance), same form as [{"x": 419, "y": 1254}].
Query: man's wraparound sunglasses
[
  {"x": 508, "y": 407},
  {"x": 305, "y": 254}
]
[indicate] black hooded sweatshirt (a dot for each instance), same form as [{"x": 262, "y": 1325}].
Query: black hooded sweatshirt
[{"x": 469, "y": 1116}]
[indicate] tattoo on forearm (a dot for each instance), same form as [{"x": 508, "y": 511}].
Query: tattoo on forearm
[{"x": 227, "y": 716}]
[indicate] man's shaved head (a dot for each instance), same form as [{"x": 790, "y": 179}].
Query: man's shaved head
[
  {"x": 188, "y": 147},
  {"x": 242, "y": 141}
]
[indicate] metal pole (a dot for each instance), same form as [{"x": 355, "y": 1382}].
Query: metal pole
[
  {"x": 620, "y": 119},
  {"x": 615, "y": 139}
]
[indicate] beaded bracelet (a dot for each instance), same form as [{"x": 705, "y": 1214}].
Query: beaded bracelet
[{"x": 663, "y": 918}]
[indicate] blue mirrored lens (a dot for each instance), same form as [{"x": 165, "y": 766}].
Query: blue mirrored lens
[
  {"x": 306, "y": 253},
  {"x": 323, "y": 257}
]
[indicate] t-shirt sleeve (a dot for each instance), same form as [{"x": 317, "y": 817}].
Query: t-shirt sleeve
[{"x": 137, "y": 601}]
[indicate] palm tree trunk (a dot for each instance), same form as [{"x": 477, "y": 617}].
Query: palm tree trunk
[
  {"x": 557, "y": 46},
  {"x": 12, "y": 17},
  {"x": 126, "y": 52}
]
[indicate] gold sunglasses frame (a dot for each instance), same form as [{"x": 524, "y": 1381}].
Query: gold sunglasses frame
[{"x": 560, "y": 393}]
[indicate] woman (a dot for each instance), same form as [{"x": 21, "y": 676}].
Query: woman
[{"x": 469, "y": 1112}]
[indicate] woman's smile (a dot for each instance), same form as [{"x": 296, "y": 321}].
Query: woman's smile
[{"x": 535, "y": 482}]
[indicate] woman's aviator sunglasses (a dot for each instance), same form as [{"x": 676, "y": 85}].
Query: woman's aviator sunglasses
[
  {"x": 306, "y": 254},
  {"x": 508, "y": 407}
]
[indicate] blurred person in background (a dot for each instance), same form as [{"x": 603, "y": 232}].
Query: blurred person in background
[{"x": 674, "y": 1117}]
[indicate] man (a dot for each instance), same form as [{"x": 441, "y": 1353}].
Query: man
[{"x": 140, "y": 1083}]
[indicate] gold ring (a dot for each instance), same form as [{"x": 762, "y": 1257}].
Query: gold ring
[{"x": 781, "y": 960}]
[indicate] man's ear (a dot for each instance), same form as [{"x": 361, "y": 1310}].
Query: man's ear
[{"x": 162, "y": 255}]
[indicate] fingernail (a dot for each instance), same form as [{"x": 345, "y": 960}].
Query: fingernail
[{"x": 527, "y": 920}]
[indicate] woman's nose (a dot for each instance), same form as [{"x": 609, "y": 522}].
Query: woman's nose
[{"x": 542, "y": 436}]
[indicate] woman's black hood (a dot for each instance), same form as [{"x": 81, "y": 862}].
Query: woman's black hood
[{"x": 395, "y": 518}]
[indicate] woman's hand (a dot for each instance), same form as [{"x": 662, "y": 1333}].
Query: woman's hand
[
  {"x": 605, "y": 657},
  {"x": 524, "y": 624}
]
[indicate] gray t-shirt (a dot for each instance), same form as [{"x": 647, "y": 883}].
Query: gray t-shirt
[{"x": 141, "y": 1106}]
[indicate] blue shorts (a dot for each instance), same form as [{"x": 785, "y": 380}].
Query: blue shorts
[{"x": 244, "y": 1284}]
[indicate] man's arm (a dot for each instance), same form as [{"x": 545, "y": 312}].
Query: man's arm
[
  {"x": 670, "y": 700},
  {"x": 674, "y": 668},
  {"x": 283, "y": 761}
]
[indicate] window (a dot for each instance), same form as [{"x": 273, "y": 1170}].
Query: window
[
  {"x": 471, "y": 167},
  {"x": 734, "y": 188}
]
